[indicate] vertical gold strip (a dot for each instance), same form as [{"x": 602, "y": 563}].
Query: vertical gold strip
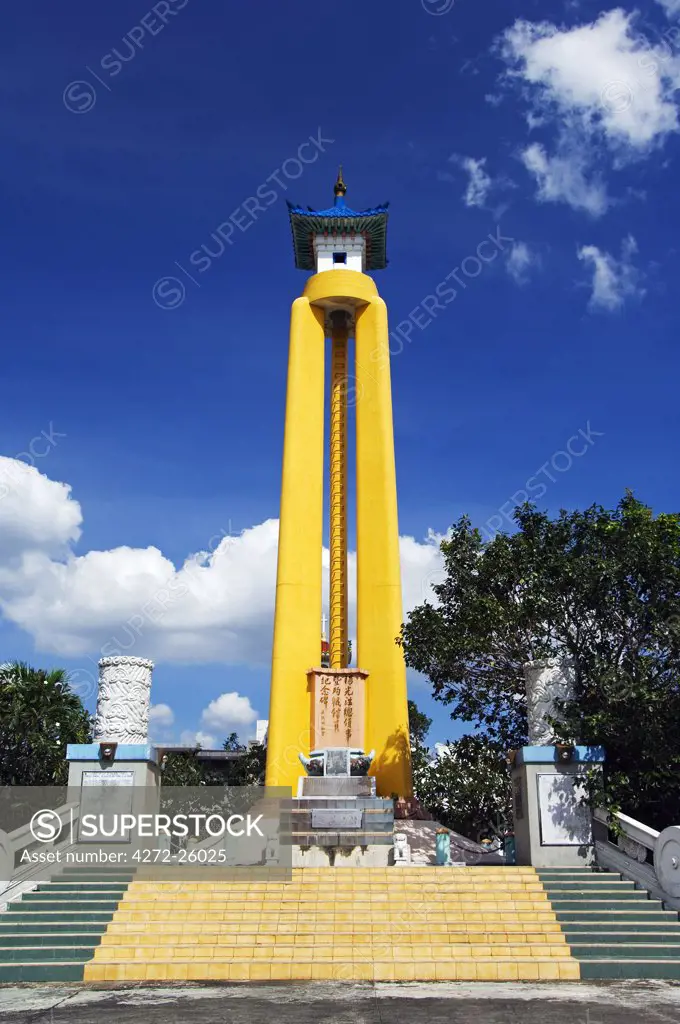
[{"x": 338, "y": 495}]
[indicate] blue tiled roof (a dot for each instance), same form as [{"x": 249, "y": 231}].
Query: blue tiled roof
[
  {"x": 306, "y": 223},
  {"x": 338, "y": 211}
]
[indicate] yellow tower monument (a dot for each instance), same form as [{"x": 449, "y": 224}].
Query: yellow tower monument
[{"x": 362, "y": 709}]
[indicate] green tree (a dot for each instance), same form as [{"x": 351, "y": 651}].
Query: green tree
[
  {"x": 233, "y": 743},
  {"x": 186, "y": 769},
  {"x": 419, "y": 726},
  {"x": 39, "y": 716},
  {"x": 248, "y": 770},
  {"x": 182, "y": 768},
  {"x": 466, "y": 786},
  {"x": 601, "y": 587}
]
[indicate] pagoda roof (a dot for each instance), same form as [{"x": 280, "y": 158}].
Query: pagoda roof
[{"x": 339, "y": 220}]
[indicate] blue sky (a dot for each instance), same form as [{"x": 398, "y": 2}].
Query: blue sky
[{"x": 132, "y": 133}]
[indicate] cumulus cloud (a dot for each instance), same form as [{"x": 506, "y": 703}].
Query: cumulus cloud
[
  {"x": 218, "y": 605},
  {"x": 606, "y": 89},
  {"x": 161, "y": 716},
  {"x": 613, "y": 281},
  {"x": 36, "y": 513},
  {"x": 519, "y": 262},
  {"x": 204, "y": 740},
  {"x": 229, "y": 712},
  {"x": 598, "y": 73},
  {"x": 564, "y": 178}
]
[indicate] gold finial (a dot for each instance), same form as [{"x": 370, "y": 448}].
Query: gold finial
[{"x": 340, "y": 188}]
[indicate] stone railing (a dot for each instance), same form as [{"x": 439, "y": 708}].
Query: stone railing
[
  {"x": 640, "y": 853},
  {"x": 13, "y": 881}
]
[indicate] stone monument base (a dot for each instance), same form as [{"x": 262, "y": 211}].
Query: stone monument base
[
  {"x": 553, "y": 828},
  {"x": 370, "y": 856},
  {"x": 338, "y": 831}
]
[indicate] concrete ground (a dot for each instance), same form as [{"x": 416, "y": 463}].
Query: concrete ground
[{"x": 358, "y": 1003}]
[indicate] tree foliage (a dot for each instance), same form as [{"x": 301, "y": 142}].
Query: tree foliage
[
  {"x": 419, "y": 726},
  {"x": 39, "y": 716},
  {"x": 601, "y": 587},
  {"x": 184, "y": 768},
  {"x": 466, "y": 786}
]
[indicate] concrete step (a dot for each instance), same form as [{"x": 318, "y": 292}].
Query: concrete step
[
  {"x": 45, "y": 954},
  {"x": 622, "y": 950},
  {"x": 617, "y": 917},
  {"x": 632, "y": 932},
  {"x": 38, "y": 916},
  {"x": 26, "y": 971},
  {"x": 69, "y": 896},
  {"x": 613, "y": 969},
  {"x": 82, "y": 888},
  {"x": 591, "y": 904},
  {"x": 489, "y": 969},
  {"x": 592, "y": 888},
  {"x": 174, "y": 934},
  {"x": 73, "y": 937}
]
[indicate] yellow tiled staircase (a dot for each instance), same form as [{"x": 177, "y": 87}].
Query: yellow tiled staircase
[{"x": 470, "y": 924}]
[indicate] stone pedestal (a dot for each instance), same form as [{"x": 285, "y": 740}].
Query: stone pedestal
[
  {"x": 552, "y": 826},
  {"x": 349, "y": 831},
  {"x": 337, "y": 820}
]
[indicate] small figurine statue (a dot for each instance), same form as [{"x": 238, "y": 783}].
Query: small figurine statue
[
  {"x": 443, "y": 848},
  {"x": 402, "y": 850},
  {"x": 271, "y": 850}
]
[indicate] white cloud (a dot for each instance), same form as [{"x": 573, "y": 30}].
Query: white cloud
[
  {"x": 607, "y": 90},
  {"x": 198, "y": 739},
  {"x": 161, "y": 716},
  {"x": 563, "y": 178},
  {"x": 229, "y": 712},
  {"x": 600, "y": 76},
  {"x": 217, "y": 606},
  {"x": 479, "y": 184},
  {"x": 520, "y": 261},
  {"x": 671, "y": 7},
  {"x": 613, "y": 280},
  {"x": 36, "y": 513}
]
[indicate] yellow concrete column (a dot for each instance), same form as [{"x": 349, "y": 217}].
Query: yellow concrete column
[
  {"x": 379, "y": 602},
  {"x": 297, "y": 637}
]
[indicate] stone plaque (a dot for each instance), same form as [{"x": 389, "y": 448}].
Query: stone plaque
[
  {"x": 337, "y": 762},
  {"x": 108, "y": 778},
  {"x": 355, "y": 785},
  {"x": 338, "y": 708},
  {"x": 565, "y": 821},
  {"x": 106, "y": 794},
  {"x": 337, "y": 819}
]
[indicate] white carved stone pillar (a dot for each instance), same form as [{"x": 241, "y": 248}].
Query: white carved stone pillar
[
  {"x": 553, "y": 826},
  {"x": 123, "y": 700},
  {"x": 547, "y": 682}
]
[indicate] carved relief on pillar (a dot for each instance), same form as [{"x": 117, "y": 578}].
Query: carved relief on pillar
[
  {"x": 123, "y": 700},
  {"x": 338, "y": 707},
  {"x": 547, "y": 682}
]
